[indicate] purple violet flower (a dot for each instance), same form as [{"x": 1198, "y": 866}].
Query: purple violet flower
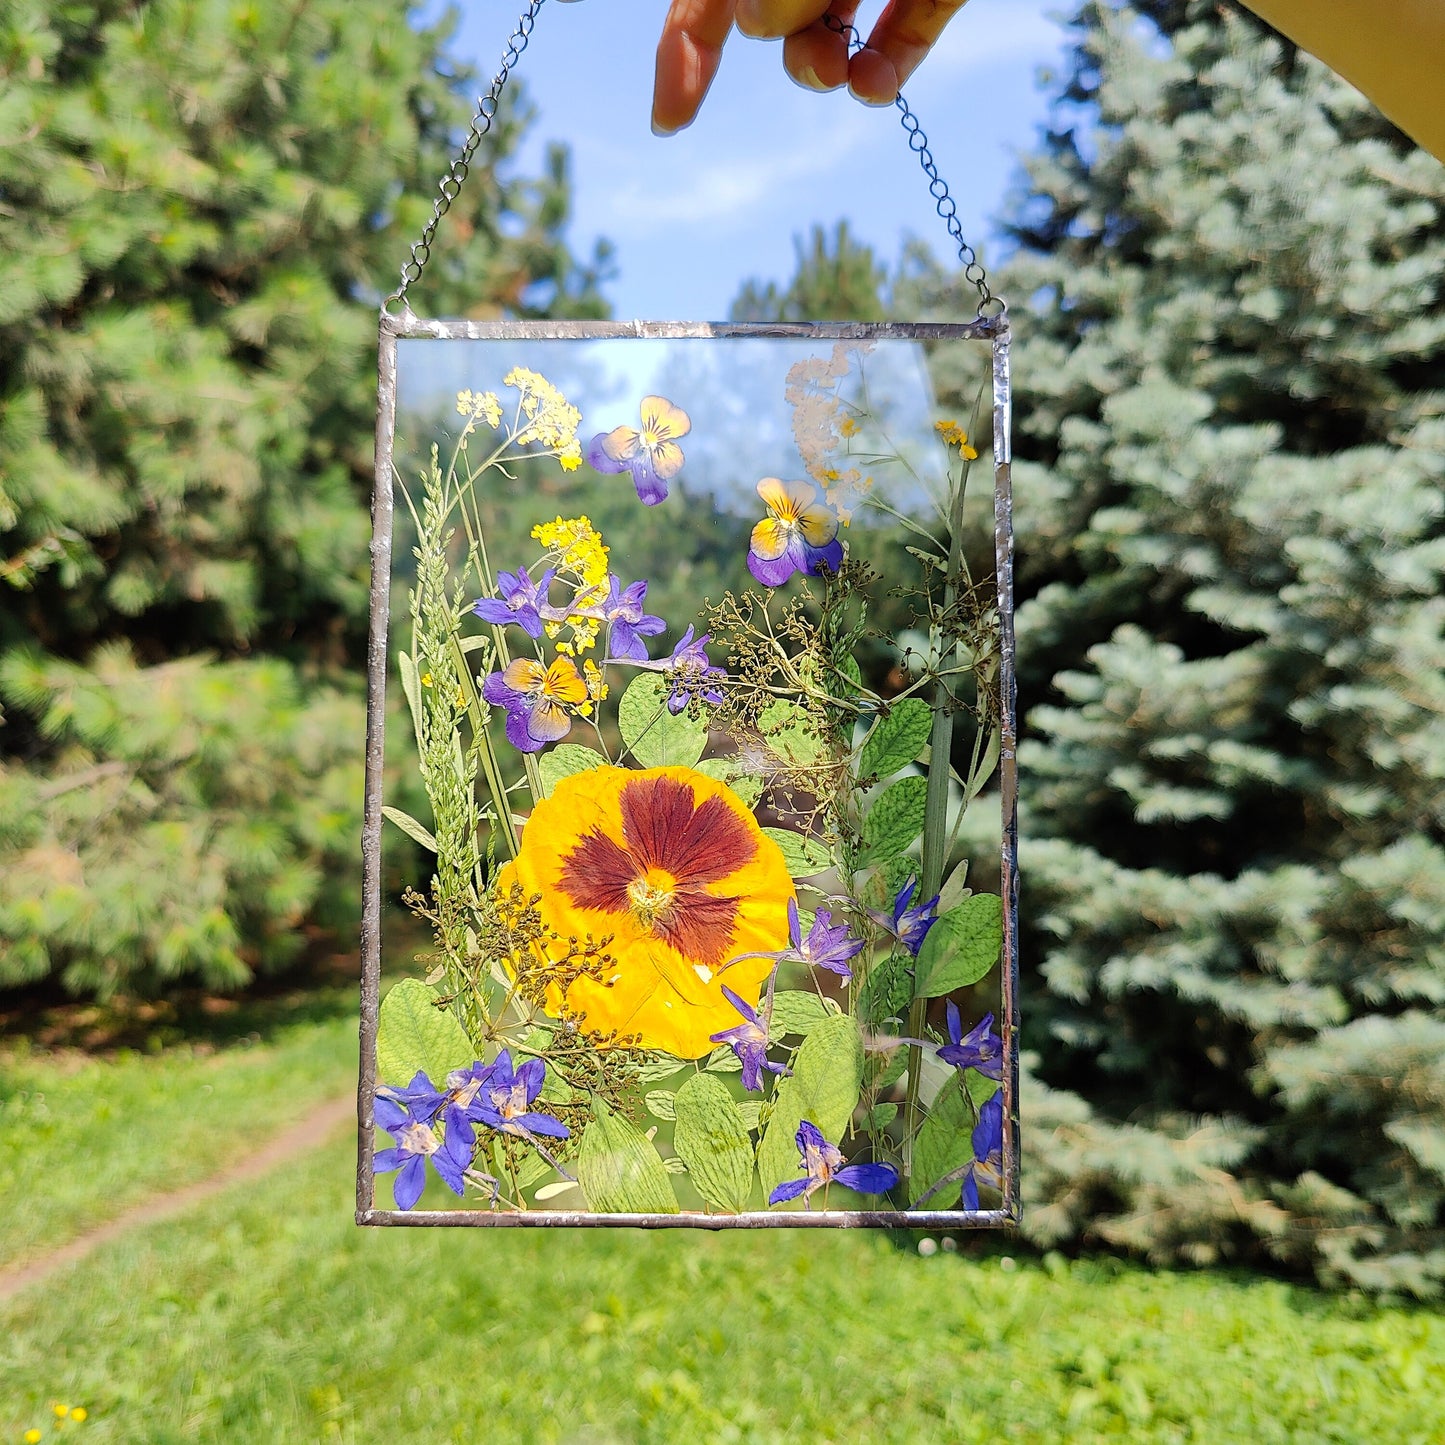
[
  {"x": 522, "y": 601},
  {"x": 504, "y": 1101},
  {"x": 627, "y": 622},
  {"x": 987, "y": 1152},
  {"x": 980, "y": 1048},
  {"x": 799, "y": 534},
  {"x": 688, "y": 670},
  {"x": 537, "y": 699},
  {"x": 749, "y": 1041},
  {"x": 421, "y": 1098},
  {"x": 650, "y": 453},
  {"x": 828, "y": 945},
  {"x": 416, "y": 1142},
  {"x": 909, "y": 922},
  {"x": 822, "y": 1163}
]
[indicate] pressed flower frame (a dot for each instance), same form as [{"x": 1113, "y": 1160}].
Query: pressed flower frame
[{"x": 714, "y": 886}]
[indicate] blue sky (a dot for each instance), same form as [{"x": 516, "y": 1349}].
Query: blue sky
[{"x": 695, "y": 215}]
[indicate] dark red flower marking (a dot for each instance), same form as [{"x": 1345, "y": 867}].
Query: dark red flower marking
[{"x": 665, "y": 832}]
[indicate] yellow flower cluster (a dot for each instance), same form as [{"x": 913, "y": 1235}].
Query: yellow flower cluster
[
  {"x": 578, "y": 545},
  {"x": 552, "y": 420},
  {"x": 954, "y": 436},
  {"x": 596, "y": 687},
  {"x": 480, "y": 406}
]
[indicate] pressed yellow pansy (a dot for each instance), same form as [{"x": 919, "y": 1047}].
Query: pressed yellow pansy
[
  {"x": 672, "y": 865},
  {"x": 651, "y": 454}
]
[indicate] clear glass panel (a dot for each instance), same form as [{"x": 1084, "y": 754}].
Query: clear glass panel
[{"x": 689, "y": 921}]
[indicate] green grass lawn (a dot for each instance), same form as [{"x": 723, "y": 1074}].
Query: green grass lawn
[
  {"x": 265, "y": 1315},
  {"x": 83, "y": 1136}
]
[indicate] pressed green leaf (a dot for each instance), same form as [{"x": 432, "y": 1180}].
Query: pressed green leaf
[
  {"x": 654, "y": 736},
  {"x": 748, "y": 786},
  {"x": 986, "y": 764},
  {"x": 961, "y": 946},
  {"x": 723, "y": 1060},
  {"x": 619, "y": 1170},
  {"x": 896, "y": 818},
  {"x": 796, "y": 1011},
  {"x": 880, "y": 1116},
  {"x": 750, "y": 1111},
  {"x": 410, "y": 827},
  {"x": 659, "y": 1103},
  {"x": 411, "y": 688},
  {"x": 897, "y": 739},
  {"x": 563, "y": 761},
  {"x": 658, "y": 1068},
  {"x": 944, "y": 1143},
  {"x": 791, "y": 733},
  {"x": 827, "y": 1074},
  {"x": 413, "y": 1033},
  {"x": 804, "y": 856},
  {"x": 888, "y": 989},
  {"x": 712, "y": 1138}
]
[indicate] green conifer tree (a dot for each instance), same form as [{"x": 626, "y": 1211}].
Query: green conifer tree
[
  {"x": 834, "y": 279},
  {"x": 1232, "y": 443},
  {"x": 201, "y": 203}
]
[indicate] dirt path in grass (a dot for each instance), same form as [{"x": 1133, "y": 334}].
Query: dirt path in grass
[{"x": 305, "y": 1134}]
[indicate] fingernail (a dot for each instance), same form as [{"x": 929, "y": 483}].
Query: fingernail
[
  {"x": 663, "y": 130},
  {"x": 809, "y": 77}
]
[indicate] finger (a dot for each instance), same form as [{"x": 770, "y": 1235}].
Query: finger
[
  {"x": 906, "y": 31},
  {"x": 817, "y": 56},
  {"x": 688, "y": 54},
  {"x": 769, "y": 19}
]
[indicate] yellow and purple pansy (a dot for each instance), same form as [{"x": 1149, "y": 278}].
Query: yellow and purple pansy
[
  {"x": 650, "y": 453},
  {"x": 538, "y": 700},
  {"x": 799, "y": 534}
]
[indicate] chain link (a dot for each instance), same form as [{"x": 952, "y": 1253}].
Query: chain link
[
  {"x": 989, "y": 305},
  {"x": 451, "y": 183}
]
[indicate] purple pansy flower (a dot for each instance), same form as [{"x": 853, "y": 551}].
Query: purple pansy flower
[
  {"x": 522, "y": 601},
  {"x": 828, "y": 945},
  {"x": 628, "y": 623},
  {"x": 749, "y": 1041},
  {"x": 980, "y": 1048},
  {"x": 537, "y": 699},
  {"x": 416, "y": 1142},
  {"x": 987, "y": 1152},
  {"x": 799, "y": 534},
  {"x": 688, "y": 670},
  {"x": 651, "y": 454},
  {"x": 504, "y": 1101},
  {"x": 909, "y": 922},
  {"x": 822, "y": 1163}
]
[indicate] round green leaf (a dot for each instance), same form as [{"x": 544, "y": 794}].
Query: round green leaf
[
  {"x": 563, "y": 761},
  {"x": 804, "y": 856},
  {"x": 413, "y": 1033},
  {"x": 654, "y": 736},
  {"x": 961, "y": 946}
]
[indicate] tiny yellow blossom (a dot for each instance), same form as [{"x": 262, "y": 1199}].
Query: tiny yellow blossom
[
  {"x": 426, "y": 679},
  {"x": 579, "y": 547},
  {"x": 78, "y": 1413},
  {"x": 61, "y": 1411},
  {"x": 32, "y": 1437},
  {"x": 849, "y": 426},
  {"x": 552, "y": 421}
]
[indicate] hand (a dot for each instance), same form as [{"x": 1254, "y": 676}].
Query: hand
[{"x": 815, "y": 56}]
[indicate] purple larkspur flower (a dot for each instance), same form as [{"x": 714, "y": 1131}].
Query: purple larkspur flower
[
  {"x": 799, "y": 534},
  {"x": 987, "y": 1152},
  {"x": 522, "y": 601},
  {"x": 828, "y": 945},
  {"x": 688, "y": 670},
  {"x": 416, "y": 1142},
  {"x": 749, "y": 1041},
  {"x": 421, "y": 1097},
  {"x": 537, "y": 699},
  {"x": 909, "y": 922},
  {"x": 822, "y": 1164},
  {"x": 980, "y": 1048},
  {"x": 504, "y": 1101},
  {"x": 650, "y": 453},
  {"x": 627, "y": 621}
]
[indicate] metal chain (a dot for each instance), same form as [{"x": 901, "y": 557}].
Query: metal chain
[
  {"x": 451, "y": 183},
  {"x": 989, "y": 305}
]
